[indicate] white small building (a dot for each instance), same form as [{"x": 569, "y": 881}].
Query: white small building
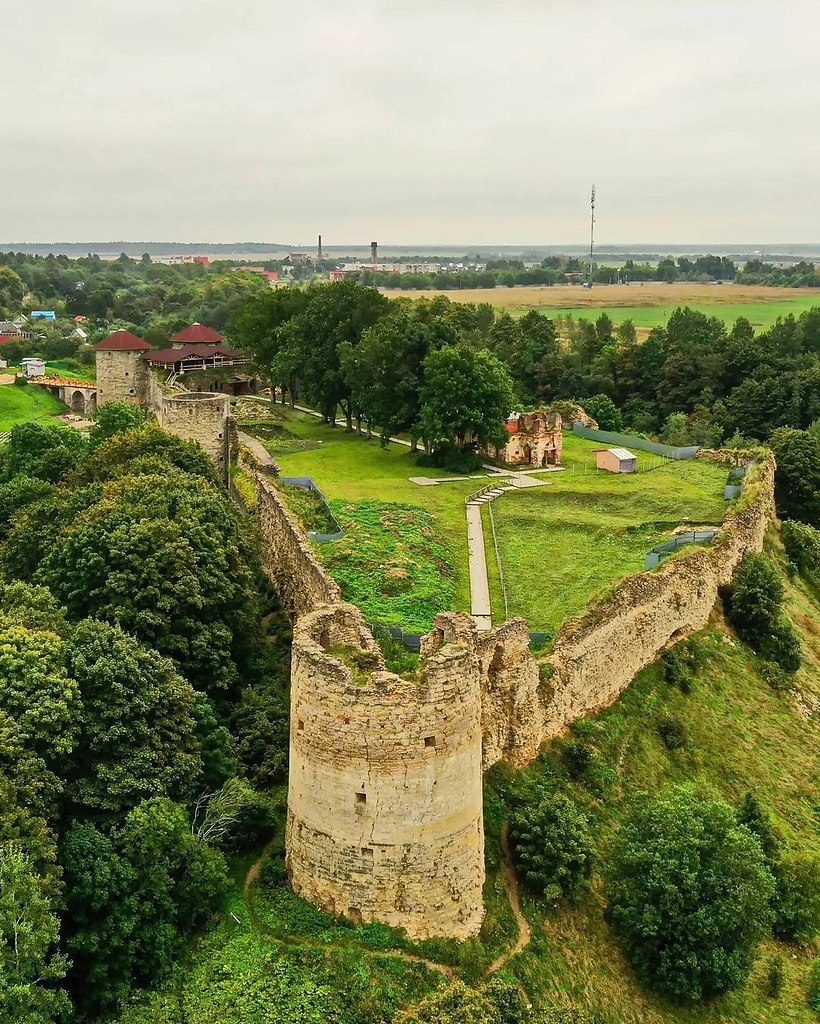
[
  {"x": 79, "y": 334},
  {"x": 33, "y": 367},
  {"x": 617, "y": 460}
]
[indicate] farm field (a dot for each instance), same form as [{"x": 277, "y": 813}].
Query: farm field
[
  {"x": 565, "y": 544},
  {"x": 647, "y": 305},
  {"x": 26, "y": 404},
  {"x": 404, "y": 554}
]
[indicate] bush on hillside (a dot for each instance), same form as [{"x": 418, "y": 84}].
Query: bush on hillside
[
  {"x": 757, "y": 820},
  {"x": 802, "y": 545},
  {"x": 689, "y": 894},
  {"x": 797, "y": 899},
  {"x": 774, "y": 978},
  {"x": 756, "y": 612},
  {"x": 673, "y": 732},
  {"x": 553, "y": 843},
  {"x": 813, "y": 994}
]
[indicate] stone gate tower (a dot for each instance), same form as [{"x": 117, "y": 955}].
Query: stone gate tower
[{"x": 122, "y": 372}]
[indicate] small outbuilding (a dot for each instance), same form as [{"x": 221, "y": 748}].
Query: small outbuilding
[{"x": 617, "y": 460}]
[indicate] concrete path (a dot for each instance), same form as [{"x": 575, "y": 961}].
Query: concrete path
[{"x": 479, "y": 582}]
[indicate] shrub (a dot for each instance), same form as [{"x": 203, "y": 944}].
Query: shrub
[
  {"x": 452, "y": 459},
  {"x": 774, "y": 978},
  {"x": 272, "y": 874},
  {"x": 797, "y": 898},
  {"x": 802, "y": 544},
  {"x": 756, "y": 819},
  {"x": 689, "y": 893},
  {"x": 578, "y": 758},
  {"x": 554, "y": 845},
  {"x": 673, "y": 732},
  {"x": 757, "y": 615},
  {"x": 813, "y": 995},
  {"x": 682, "y": 662}
]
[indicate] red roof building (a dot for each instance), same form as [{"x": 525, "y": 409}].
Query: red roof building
[
  {"x": 197, "y": 334},
  {"x": 122, "y": 341}
]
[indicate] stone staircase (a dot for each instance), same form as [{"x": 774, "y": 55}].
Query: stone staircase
[{"x": 488, "y": 494}]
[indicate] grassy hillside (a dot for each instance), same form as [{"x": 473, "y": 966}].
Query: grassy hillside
[
  {"x": 26, "y": 404},
  {"x": 741, "y": 736}
]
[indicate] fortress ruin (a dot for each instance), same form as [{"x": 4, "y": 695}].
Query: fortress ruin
[{"x": 386, "y": 771}]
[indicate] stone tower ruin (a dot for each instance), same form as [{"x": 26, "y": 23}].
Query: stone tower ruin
[{"x": 385, "y": 796}]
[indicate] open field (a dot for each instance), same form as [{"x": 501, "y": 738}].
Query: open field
[
  {"x": 404, "y": 554},
  {"x": 647, "y": 305},
  {"x": 565, "y": 544},
  {"x": 26, "y": 404}
]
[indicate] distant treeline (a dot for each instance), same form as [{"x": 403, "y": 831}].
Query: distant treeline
[{"x": 560, "y": 269}]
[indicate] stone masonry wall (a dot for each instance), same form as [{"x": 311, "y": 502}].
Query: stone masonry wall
[
  {"x": 385, "y": 794},
  {"x": 302, "y": 584},
  {"x": 121, "y": 377}
]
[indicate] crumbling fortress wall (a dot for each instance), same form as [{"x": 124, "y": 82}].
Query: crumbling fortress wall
[{"x": 384, "y": 804}]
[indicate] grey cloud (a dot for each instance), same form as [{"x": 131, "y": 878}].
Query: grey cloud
[{"x": 433, "y": 121}]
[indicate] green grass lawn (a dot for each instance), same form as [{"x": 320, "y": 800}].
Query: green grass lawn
[
  {"x": 390, "y": 562},
  {"x": 404, "y": 554},
  {"x": 26, "y": 405},
  {"x": 761, "y": 314},
  {"x": 565, "y": 544}
]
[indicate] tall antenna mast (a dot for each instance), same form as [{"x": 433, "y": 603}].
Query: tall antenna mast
[{"x": 591, "y": 235}]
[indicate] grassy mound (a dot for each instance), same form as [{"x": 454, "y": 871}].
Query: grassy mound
[{"x": 391, "y": 563}]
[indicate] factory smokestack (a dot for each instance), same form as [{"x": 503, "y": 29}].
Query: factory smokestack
[
  {"x": 320, "y": 249},
  {"x": 374, "y": 252}
]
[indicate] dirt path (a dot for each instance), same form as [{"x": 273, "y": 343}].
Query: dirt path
[
  {"x": 261, "y": 929},
  {"x": 510, "y": 880}
]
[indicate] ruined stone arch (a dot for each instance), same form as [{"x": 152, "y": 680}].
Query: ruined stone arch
[{"x": 77, "y": 402}]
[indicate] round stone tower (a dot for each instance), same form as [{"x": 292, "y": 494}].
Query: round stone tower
[{"x": 385, "y": 795}]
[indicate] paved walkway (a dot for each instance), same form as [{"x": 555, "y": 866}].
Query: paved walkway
[{"x": 479, "y": 582}]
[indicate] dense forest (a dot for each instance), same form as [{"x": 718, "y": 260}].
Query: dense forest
[
  {"x": 408, "y": 366},
  {"x": 143, "y": 670}
]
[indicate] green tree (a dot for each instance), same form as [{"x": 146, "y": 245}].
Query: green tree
[
  {"x": 797, "y": 479},
  {"x": 16, "y": 494},
  {"x": 757, "y": 612},
  {"x": 385, "y": 370},
  {"x": 114, "y": 417},
  {"x": 689, "y": 893},
  {"x": 30, "y": 967},
  {"x": 604, "y": 410},
  {"x": 554, "y": 845},
  {"x": 42, "y": 452},
  {"x": 138, "y": 734},
  {"x": 164, "y": 558},
  {"x": 336, "y": 314},
  {"x": 12, "y": 291},
  {"x": 178, "y": 882},
  {"x": 466, "y": 398},
  {"x": 255, "y": 327},
  {"x": 100, "y": 919}
]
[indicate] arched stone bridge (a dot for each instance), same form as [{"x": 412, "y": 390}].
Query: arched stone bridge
[{"x": 79, "y": 395}]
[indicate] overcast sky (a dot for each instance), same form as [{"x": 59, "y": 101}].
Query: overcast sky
[{"x": 463, "y": 121}]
